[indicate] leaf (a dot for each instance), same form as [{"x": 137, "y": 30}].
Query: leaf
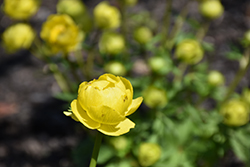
[
  {"x": 105, "y": 154},
  {"x": 66, "y": 96}
]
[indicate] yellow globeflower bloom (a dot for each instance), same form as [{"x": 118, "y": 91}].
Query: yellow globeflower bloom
[
  {"x": 20, "y": 9},
  {"x": 215, "y": 78},
  {"x": 235, "y": 113},
  {"x": 103, "y": 104},
  {"x": 189, "y": 51},
  {"x": 18, "y": 36},
  {"x": 149, "y": 153},
  {"x": 107, "y": 16},
  {"x": 61, "y": 33},
  {"x": 111, "y": 43}
]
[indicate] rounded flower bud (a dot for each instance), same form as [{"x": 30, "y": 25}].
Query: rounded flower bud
[
  {"x": 73, "y": 8},
  {"x": 107, "y": 16},
  {"x": 157, "y": 63},
  {"x": 155, "y": 97},
  {"x": 211, "y": 9},
  {"x": 143, "y": 35},
  {"x": 111, "y": 43},
  {"x": 149, "y": 153},
  {"x": 20, "y": 9},
  {"x": 235, "y": 113},
  {"x": 189, "y": 51},
  {"x": 119, "y": 143},
  {"x": 18, "y": 36},
  {"x": 61, "y": 33},
  {"x": 246, "y": 39},
  {"x": 103, "y": 104},
  {"x": 215, "y": 78},
  {"x": 115, "y": 68}
]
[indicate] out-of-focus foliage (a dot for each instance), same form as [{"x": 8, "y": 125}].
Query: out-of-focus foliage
[{"x": 191, "y": 115}]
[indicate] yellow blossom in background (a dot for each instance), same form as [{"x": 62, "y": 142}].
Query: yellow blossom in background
[
  {"x": 20, "y": 9},
  {"x": 61, "y": 33},
  {"x": 107, "y": 16},
  {"x": 211, "y": 9},
  {"x": 235, "y": 112},
  {"x": 18, "y": 36},
  {"x": 116, "y": 68},
  {"x": 103, "y": 104},
  {"x": 149, "y": 153},
  {"x": 215, "y": 78},
  {"x": 155, "y": 97},
  {"x": 111, "y": 43},
  {"x": 189, "y": 51},
  {"x": 143, "y": 35}
]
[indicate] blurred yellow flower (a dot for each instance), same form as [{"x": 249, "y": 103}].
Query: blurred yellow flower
[
  {"x": 116, "y": 68},
  {"x": 189, "y": 51},
  {"x": 149, "y": 153},
  {"x": 61, "y": 33},
  {"x": 107, "y": 16},
  {"x": 211, "y": 9},
  {"x": 155, "y": 97},
  {"x": 20, "y": 9},
  {"x": 73, "y": 8},
  {"x": 111, "y": 43},
  {"x": 103, "y": 104},
  {"x": 235, "y": 112},
  {"x": 18, "y": 36},
  {"x": 215, "y": 78},
  {"x": 143, "y": 35}
]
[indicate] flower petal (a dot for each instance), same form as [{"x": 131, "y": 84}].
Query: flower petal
[
  {"x": 81, "y": 86},
  {"x": 68, "y": 113},
  {"x": 127, "y": 84},
  {"x": 134, "y": 105},
  {"x": 105, "y": 115},
  {"x": 118, "y": 129},
  {"x": 82, "y": 116}
]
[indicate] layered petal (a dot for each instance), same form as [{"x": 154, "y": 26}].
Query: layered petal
[
  {"x": 134, "y": 105},
  {"x": 82, "y": 116},
  {"x": 118, "y": 129}
]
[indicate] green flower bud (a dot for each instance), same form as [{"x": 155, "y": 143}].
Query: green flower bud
[
  {"x": 235, "y": 112},
  {"x": 246, "y": 39},
  {"x": 149, "y": 153},
  {"x": 155, "y": 97},
  {"x": 211, "y": 9},
  {"x": 107, "y": 16},
  {"x": 119, "y": 143},
  {"x": 189, "y": 51},
  {"x": 115, "y": 68},
  {"x": 215, "y": 78},
  {"x": 143, "y": 35},
  {"x": 73, "y": 8},
  {"x": 111, "y": 43},
  {"x": 157, "y": 63}
]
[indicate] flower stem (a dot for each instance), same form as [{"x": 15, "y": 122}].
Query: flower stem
[
  {"x": 238, "y": 77},
  {"x": 96, "y": 149}
]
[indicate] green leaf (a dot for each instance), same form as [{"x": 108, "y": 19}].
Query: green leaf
[{"x": 105, "y": 154}]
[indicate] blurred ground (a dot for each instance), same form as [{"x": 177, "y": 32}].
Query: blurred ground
[{"x": 33, "y": 130}]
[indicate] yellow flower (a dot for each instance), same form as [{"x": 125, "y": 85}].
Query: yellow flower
[
  {"x": 18, "y": 36},
  {"x": 189, "y": 51},
  {"x": 149, "y": 153},
  {"x": 107, "y": 16},
  {"x": 115, "y": 68},
  {"x": 103, "y": 104},
  {"x": 155, "y": 97},
  {"x": 235, "y": 112},
  {"x": 61, "y": 33},
  {"x": 74, "y": 8},
  {"x": 211, "y": 9},
  {"x": 143, "y": 35},
  {"x": 215, "y": 78},
  {"x": 20, "y": 9},
  {"x": 111, "y": 43}
]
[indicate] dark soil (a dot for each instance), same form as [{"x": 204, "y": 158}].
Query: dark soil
[{"x": 33, "y": 130}]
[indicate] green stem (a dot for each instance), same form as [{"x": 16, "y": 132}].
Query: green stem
[
  {"x": 203, "y": 30},
  {"x": 166, "y": 21},
  {"x": 177, "y": 26},
  {"x": 238, "y": 77},
  {"x": 96, "y": 149}
]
